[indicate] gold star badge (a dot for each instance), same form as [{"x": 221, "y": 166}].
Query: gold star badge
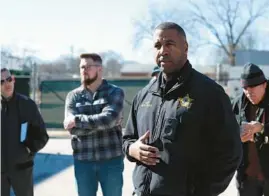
[{"x": 185, "y": 101}]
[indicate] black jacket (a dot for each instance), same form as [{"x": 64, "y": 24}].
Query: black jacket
[
  {"x": 262, "y": 146},
  {"x": 15, "y": 154},
  {"x": 196, "y": 132}
]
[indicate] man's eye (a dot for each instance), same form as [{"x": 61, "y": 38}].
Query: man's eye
[
  {"x": 157, "y": 46},
  {"x": 169, "y": 44}
]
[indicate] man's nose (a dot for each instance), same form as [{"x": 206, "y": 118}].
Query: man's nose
[{"x": 163, "y": 51}]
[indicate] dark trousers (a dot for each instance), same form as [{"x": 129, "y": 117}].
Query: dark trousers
[
  {"x": 21, "y": 181},
  {"x": 254, "y": 187}
]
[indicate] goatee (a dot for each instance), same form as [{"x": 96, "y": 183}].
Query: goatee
[{"x": 89, "y": 81}]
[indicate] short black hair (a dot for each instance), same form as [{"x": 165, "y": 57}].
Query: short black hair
[
  {"x": 171, "y": 25},
  {"x": 95, "y": 57},
  {"x": 4, "y": 69}
]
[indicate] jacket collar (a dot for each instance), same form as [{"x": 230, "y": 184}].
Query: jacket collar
[
  {"x": 10, "y": 99},
  {"x": 181, "y": 78}
]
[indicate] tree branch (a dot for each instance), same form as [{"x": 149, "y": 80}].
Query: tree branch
[
  {"x": 200, "y": 18},
  {"x": 262, "y": 10},
  {"x": 223, "y": 19}
]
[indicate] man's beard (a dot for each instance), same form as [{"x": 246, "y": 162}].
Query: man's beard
[{"x": 89, "y": 81}]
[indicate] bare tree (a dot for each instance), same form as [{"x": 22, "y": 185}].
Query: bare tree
[
  {"x": 12, "y": 60},
  {"x": 54, "y": 67},
  {"x": 8, "y": 59},
  {"x": 248, "y": 41},
  {"x": 229, "y": 23},
  {"x": 110, "y": 54},
  {"x": 113, "y": 62},
  {"x": 112, "y": 68},
  {"x": 156, "y": 14}
]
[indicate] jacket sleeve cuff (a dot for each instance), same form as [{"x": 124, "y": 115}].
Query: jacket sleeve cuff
[{"x": 131, "y": 159}]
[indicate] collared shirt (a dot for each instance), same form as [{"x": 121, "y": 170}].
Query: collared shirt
[{"x": 98, "y": 131}]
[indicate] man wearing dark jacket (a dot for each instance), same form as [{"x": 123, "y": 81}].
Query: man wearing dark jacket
[
  {"x": 181, "y": 131},
  {"x": 23, "y": 134},
  {"x": 252, "y": 111}
]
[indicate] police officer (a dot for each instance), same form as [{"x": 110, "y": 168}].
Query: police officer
[{"x": 181, "y": 131}]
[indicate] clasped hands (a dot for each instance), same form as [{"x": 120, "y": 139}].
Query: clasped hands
[{"x": 248, "y": 129}]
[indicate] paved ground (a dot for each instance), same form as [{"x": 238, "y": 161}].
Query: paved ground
[{"x": 53, "y": 173}]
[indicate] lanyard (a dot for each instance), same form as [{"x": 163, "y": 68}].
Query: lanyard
[{"x": 260, "y": 112}]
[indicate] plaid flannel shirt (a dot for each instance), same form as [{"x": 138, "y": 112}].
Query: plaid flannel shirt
[{"x": 98, "y": 131}]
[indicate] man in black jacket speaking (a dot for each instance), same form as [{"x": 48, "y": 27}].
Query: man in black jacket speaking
[
  {"x": 181, "y": 130},
  {"x": 23, "y": 133}
]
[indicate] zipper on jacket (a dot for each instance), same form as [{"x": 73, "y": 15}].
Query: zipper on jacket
[
  {"x": 154, "y": 135},
  {"x": 148, "y": 176},
  {"x": 146, "y": 189},
  {"x": 4, "y": 118}
]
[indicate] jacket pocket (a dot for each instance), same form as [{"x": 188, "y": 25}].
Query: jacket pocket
[
  {"x": 22, "y": 154},
  {"x": 169, "y": 180},
  {"x": 139, "y": 177},
  {"x": 169, "y": 129}
]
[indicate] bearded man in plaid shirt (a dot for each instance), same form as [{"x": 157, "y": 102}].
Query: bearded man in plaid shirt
[{"x": 93, "y": 116}]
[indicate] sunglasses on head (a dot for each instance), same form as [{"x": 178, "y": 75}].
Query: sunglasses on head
[{"x": 9, "y": 79}]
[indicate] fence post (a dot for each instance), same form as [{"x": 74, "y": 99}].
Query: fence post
[
  {"x": 34, "y": 81},
  {"x": 218, "y": 73}
]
